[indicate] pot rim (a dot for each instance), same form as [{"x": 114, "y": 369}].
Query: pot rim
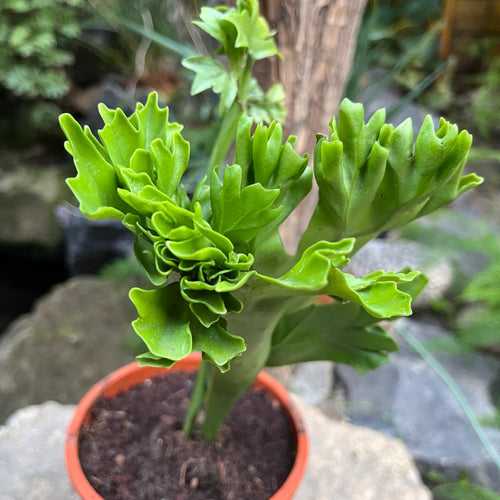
[{"x": 132, "y": 374}]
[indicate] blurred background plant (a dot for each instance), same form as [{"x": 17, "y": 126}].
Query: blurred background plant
[
  {"x": 33, "y": 46},
  {"x": 472, "y": 307},
  {"x": 399, "y": 47},
  {"x": 486, "y": 100},
  {"x": 35, "y": 40},
  {"x": 122, "y": 37},
  {"x": 399, "y": 64},
  {"x": 400, "y": 41},
  {"x": 463, "y": 490}
]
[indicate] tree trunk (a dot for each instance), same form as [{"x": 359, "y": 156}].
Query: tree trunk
[{"x": 317, "y": 39}]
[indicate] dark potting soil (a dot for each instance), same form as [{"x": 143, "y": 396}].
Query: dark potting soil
[{"x": 133, "y": 447}]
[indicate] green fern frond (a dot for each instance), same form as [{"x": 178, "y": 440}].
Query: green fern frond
[{"x": 32, "y": 55}]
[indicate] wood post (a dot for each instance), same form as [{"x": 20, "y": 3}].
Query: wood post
[{"x": 317, "y": 39}]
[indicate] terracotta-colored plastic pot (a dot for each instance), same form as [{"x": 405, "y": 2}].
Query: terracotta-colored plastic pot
[{"x": 133, "y": 374}]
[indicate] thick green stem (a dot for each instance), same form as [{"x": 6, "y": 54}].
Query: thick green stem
[
  {"x": 321, "y": 228},
  {"x": 196, "y": 398},
  {"x": 255, "y": 325},
  {"x": 225, "y": 137},
  {"x": 244, "y": 83}
]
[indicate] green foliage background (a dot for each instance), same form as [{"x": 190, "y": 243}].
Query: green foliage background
[{"x": 33, "y": 34}]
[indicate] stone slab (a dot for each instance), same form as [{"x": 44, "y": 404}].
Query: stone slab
[
  {"x": 76, "y": 334},
  {"x": 346, "y": 462}
]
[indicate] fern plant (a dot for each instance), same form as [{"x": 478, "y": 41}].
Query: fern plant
[
  {"x": 221, "y": 281},
  {"x": 32, "y": 54},
  {"x": 242, "y": 38},
  {"x": 486, "y": 99},
  {"x": 479, "y": 326}
]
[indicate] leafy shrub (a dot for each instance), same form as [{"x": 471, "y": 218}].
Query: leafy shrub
[
  {"x": 402, "y": 38},
  {"x": 32, "y": 39},
  {"x": 480, "y": 325},
  {"x": 243, "y": 37},
  {"x": 486, "y": 101},
  {"x": 463, "y": 490}
]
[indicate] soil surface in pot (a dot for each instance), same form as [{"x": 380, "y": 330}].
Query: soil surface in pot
[{"x": 133, "y": 446}]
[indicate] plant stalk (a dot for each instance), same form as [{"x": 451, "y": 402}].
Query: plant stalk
[
  {"x": 255, "y": 324},
  {"x": 197, "y": 397},
  {"x": 225, "y": 136}
]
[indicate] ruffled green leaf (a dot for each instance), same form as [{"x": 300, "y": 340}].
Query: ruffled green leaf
[
  {"x": 317, "y": 272},
  {"x": 211, "y": 74},
  {"x": 218, "y": 344},
  {"x": 266, "y": 159},
  {"x": 163, "y": 322},
  {"x": 96, "y": 182},
  {"x": 196, "y": 248},
  {"x": 208, "y": 302},
  {"x": 373, "y": 177},
  {"x": 203, "y": 314},
  {"x": 135, "y": 181},
  {"x": 311, "y": 273},
  {"x": 170, "y": 162},
  {"x": 266, "y": 106},
  {"x": 148, "y": 123},
  {"x": 266, "y": 151},
  {"x": 213, "y": 301},
  {"x": 152, "y": 122},
  {"x": 240, "y": 212},
  {"x": 252, "y": 30},
  {"x": 140, "y": 151},
  {"x": 217, "y": 239},
  {"x": 343, "y": 332},
  {"x": 148, "y": 359},
  {"x": 120, "y": 138},
  {"x": 171, "y": 332},
  {"x": 239, "y": 28},
  {"x": 141, "y": 161},
  {"x": 146, "y": 255},
  {"x": 211, "y": 21},
  {"x": 339, "y": 332},
  {"x": 271, "y": 177},
  {"x": 146, "y": 201}
]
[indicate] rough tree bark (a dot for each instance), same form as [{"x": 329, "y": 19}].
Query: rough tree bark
[{"x": 317, "y": 39}]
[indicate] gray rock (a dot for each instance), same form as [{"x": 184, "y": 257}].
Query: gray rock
[
  {"x": 91, "y": 244},
  {"x": 32, "y": 454},
  {"x": 394, "y": 255},
  {"x": 353, "y": 463},
  {"x": 465, "y": 239},
  {"x": 75, "y": 335},
  {"x": 390, "y": 98},
  {"x": 313, "y": 382},
  {"x": 473, "y": 372},
  {"x": 28, "y": 196},
  {"x": 345, "y": 462},
  {"x": 407, "y": 399}
]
